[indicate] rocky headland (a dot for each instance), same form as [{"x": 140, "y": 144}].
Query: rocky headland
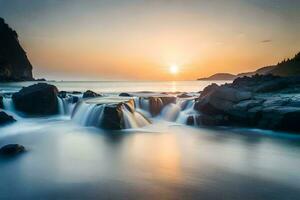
[{"x": 14, "y": 64}]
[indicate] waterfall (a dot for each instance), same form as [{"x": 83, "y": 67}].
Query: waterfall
[
  {"x": 133, "y": 120},
  {"x": 8, "y": 104},
  {"x": 61, "y": 107},
  {"x": 171, "y": 111},
  {"x": 187, "y": 112},
  {"x": 142, "y": 106},
  {"x": 89, "y": 114}
]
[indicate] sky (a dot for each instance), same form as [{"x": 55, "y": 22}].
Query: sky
[{"x": 143, "y": 39}]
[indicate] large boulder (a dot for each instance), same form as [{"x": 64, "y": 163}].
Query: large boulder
[
  {"x": 12, "y": 149},
  {"x": 38, "y": 99},
  {"x": 220, "y": 100},
  {"x": 90, "y": 94},
  {"x": 5, "y": 118},
  {"x": 113, "y": 117},
  {"x": 14, "y": 64}
]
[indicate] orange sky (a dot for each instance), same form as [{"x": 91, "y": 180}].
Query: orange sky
[{"x": 140, "y": 40}]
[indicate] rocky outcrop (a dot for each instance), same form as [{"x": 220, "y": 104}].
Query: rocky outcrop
[
  {"x": 90, "y": 94},
  {"x": 124, "y": 94},
  {"x": 38, "y": 99},
  {"x": 266, "y": 102},
  {"x": 14, "y": 64},
  {"x": 5, "y": 118},
  {"x": 12, "y": 149}
]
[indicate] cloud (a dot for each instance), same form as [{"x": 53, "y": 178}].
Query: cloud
[{"x": 266, "y": 41}]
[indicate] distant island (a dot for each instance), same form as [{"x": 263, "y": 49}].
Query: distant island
[
  {"x": 219, "y": 76},
  {"x": 287, "y": 67}
]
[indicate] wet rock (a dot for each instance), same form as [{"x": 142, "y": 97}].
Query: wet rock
[
  {"x": 184, "y": 95},
  {"x": 90, "y": 94},
  {"x": 124, "y": 94},
  {"x": 112, "y": 117},
  {"x": 156, "y": 104},
  {"x": 38, "y": 99},
  {"x": 62, "y": 94},
  {"x": 280, "y": 118},
  {"x": 5, "y": 118},
  {"x": 12, "y": 149}
]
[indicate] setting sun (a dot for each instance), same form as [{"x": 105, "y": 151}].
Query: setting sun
[{"x": 173, "y": 69}]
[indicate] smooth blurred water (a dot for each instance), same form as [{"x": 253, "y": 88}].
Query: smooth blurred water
[
  {"x": 120, "y": 86},
  {"x": 161, "y": 161}
]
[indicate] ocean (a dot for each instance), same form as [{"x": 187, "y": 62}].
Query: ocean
[{"x": 69, "y": 158}]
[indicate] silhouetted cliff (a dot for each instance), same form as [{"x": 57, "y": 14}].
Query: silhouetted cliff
[{"x": 14, "y": 64}]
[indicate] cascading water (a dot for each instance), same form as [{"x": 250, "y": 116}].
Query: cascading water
[
  {"x": 142, "y": 106},
  {"x": 133, "y": 120},
  {"x": 187, "y": 111},
  {"x": 8, "y": 104},
  {"x": 171, "y": 111},
  {"x": 89, "y": 114}
]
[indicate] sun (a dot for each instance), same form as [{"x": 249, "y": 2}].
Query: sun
[{"x": 173, "y": 69}]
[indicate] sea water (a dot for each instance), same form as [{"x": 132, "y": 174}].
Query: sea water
[{"x": 162, "y": 160}]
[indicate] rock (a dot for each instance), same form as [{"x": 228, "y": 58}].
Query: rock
[
  {"x": 213, "y": 120},
  {"x": 14, "y": 64},
  {"x": 220, "y": 100},
  {"x": 1, "y": 102},
  {"x": 62, "y": 94},
  {"x": 124, "y": 94},
  {"x": 272, "y": 86},
  {"x": 38, "y": 99},
  {"x": 280, "y": 118},
  {"x": 5, "y": 118},
  {"x": 156, "y": 104},
  {"x": 113, "y": 118},
  {"x": 184, "y": 95},
  {"x": 207, "y": 90},
  {"x": 76, "y": 92},
  {"x": 90, "y": 94},
  {"x": 12, "y": 149}
]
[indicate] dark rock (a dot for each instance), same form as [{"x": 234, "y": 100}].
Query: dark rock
[
  {"x": 38, "y": 99},
  {"x": 62, "y": 94},
  {"x": 190, "y": 121},
  {"x": 5, "y": 118},
  {"x": 213, "y": 120},
  {"x": 1, "y": 102},
  {"x": 184, "y": 95},
  {"x": 75, "y": 99},
  {"x": 76, "y": 92},
  {"x": 124, "y": 94},
  {"x": 280, "y": 118},
  {"x": 90, "y": 94},
  {"x": 14, "y": 64},
  {"x": 207, "y": 90},
  {"x": 113, "y": 118},
  {"x": 12, "y": 149}
]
